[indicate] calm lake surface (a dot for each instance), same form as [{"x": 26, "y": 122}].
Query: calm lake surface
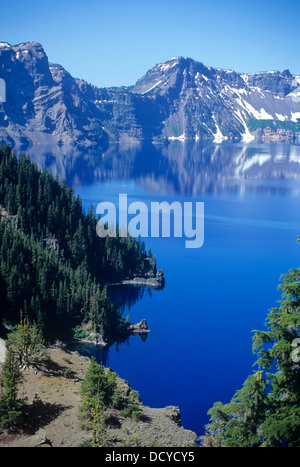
[{"x": 199, "y": 348}]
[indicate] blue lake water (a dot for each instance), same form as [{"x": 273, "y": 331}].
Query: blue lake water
[{"x": 199, "y": 348}]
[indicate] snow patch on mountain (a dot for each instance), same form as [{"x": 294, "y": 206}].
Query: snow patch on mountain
[
  {"x": 152, "y": 87},
  {"x": 218, "y": 136},
  {"x": 295, "y": 116},
  {"x": 178, "y": 138},
  {"x": 179, "y": 97},
  {"x": 247, "y": 137},
  {"x": 280, "y": 117},
  {"x": 170, "y": 64}
]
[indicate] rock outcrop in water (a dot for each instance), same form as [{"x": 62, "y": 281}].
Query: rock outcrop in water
[{"x": 179, "y": 99}]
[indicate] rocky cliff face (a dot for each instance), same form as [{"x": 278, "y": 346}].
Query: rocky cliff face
[
  {"x": 271, "y": 134},
  {"x": 44, "y": 104},
  {"x": 180, "y": 99},
  {"x": 218, "y": 104}
]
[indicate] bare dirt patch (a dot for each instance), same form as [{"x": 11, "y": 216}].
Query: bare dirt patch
[{"x": 52, "y": 398}]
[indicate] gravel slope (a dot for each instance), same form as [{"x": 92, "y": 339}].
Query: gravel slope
[{"x": 52, "y": 400}]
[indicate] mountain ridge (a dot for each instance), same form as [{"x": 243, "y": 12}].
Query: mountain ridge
[
  {"x": 179, "y": 99},
  {"x": 227, "y": 100}
]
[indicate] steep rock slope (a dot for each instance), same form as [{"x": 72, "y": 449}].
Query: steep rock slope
[
  {"x": 44, "y": 104},
  {"x": 220, "y": 104},
  {"x": 181, "y": 98}
]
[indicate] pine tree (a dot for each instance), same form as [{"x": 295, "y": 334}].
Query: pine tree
[
  {"x": 90, "y": 388},
  {"x": 99, "y": 431},
  {"x": 26, "y": 341},
  {"x": 10, "y": 406},
  {"x": 58, "y": 282},
  {"x": 275, "y": 348},
  {"x": 266, "y": 411},
  {"x": 237, "y": 423}
]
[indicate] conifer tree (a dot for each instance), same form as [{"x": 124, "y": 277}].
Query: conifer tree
[
  {"x": 26, "y": 341},
  {"x": 266, "y": 411},
  {"x": 275, "y": 347},
  {"x": 55, "y": 283},
  {"x": 99, "y": 430},
  {"x": 10, "y": 406}
]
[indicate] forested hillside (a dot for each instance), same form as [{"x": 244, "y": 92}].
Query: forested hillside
[{"x": 53, "y": 266}]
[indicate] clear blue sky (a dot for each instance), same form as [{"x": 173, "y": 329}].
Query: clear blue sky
[{"x": 114, "y": 42}]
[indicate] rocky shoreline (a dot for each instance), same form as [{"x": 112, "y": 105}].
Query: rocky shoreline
[
  {"x": 154, "y": 280},
  {"x": 270, "y": 135},
  {"x": 97, "y": 340}
]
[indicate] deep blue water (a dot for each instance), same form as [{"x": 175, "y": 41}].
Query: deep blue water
[{"x": 199, "y": 348}]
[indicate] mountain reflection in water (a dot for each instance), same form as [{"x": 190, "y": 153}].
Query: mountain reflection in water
[
  {"x": 188, "y": 168},
  {"x": 201, "y": 322}
]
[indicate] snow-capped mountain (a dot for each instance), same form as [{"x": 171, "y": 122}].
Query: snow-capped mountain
[
  {"x": 221, "y": 104},
  {"x": 181, "y": 98}
]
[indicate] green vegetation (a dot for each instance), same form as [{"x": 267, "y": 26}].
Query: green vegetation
[
  {"x": 100, "y": 388},
  {"x": 266, "y": 411},
  {"x": 23, "y": 345},
  {"x": 255, "y": 125},
  {"x": 52, "y": 263},
  {"x": 99, "y": 431},
  {"x": 100, "y": 392}
]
